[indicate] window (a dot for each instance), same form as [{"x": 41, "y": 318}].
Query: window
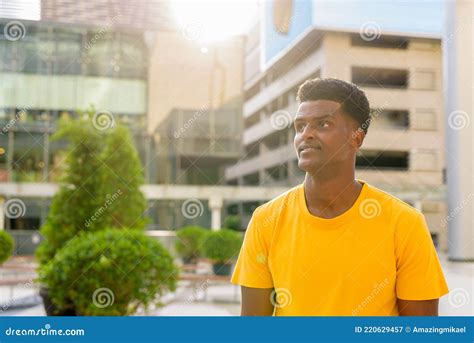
[
  {"x": 380, "y": 78},
  {"x": 392, "y": 119},
  {"x": 376, "y": 159},
  {"x": 384, "y": 41}
]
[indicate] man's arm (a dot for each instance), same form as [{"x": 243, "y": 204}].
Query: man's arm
[
  {"x": 418, "y": 307},
  {"x": 256, "y": 301}
]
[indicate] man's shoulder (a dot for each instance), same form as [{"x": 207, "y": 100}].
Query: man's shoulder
[{"x": 391, "y": 203}]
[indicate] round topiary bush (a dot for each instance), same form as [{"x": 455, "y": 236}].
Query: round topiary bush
[
  {"x": 189, "y": 242},
  {"x": 6, "y": 246},
  {"x": 222, "y": 245},
  {"x": 233, "y": 222},
  {"x": 109, "y": 272}
]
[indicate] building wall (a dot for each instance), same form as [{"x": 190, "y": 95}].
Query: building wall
[{"x": 185, "y": 74}]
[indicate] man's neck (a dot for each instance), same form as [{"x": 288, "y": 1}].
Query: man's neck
[{"x": 329, "y": 197}]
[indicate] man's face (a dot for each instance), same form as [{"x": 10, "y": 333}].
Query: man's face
[{"x": 325, "y": 137}]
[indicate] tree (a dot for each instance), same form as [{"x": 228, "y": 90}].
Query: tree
[
  {"x": 100, "y": 185},
  {"x": 80, "y": 188},
  {"x": 122, "y": 175}
]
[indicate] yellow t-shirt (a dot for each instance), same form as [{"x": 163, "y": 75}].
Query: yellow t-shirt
[{"x": 357, "y": 263}]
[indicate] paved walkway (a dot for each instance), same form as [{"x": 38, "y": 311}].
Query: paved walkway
[{"x": 223, "y": 299}]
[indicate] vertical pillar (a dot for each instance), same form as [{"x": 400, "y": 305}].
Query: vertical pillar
[
  {"x": 458, "y": 82},
  {"x": 2, "y": 214},
  {"x": 215, "y": 204}
]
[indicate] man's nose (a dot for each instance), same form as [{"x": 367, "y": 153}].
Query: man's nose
[{"x": 308, "y": 133}]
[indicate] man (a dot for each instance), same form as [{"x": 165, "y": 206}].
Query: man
[{"x": 335, "y": 245}]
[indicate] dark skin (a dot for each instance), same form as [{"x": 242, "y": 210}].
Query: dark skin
[{"x": 326, "y": 142}]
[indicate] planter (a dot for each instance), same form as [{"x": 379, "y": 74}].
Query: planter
[
  {"x": 50, "y": 308},
  {"x": 222, "y": 269},
  {"x": 189, "y": 260}
]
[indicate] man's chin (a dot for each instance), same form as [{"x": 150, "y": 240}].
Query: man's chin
[{"x": 309, "y": 166}]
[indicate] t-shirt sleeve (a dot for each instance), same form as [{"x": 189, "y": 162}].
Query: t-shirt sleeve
[
  {"x": 419, "y": 272},
  {"x": 251, "y": 269}
]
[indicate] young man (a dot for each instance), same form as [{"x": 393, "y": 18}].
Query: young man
[{"x": 335, "y": 245}]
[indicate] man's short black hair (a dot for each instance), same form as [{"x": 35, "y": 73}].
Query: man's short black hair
[{"x": 352, "y": 99}]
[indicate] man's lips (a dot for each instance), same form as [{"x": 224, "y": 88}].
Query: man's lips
[{"x": 308, "y": 148}]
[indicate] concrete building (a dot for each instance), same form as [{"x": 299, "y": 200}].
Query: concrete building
[
  {"x": 194, "y": 107},
  {"x": 401, "y": 74}
]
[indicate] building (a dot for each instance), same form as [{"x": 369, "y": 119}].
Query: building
[
  {"x": 182, "y": 101},
  {"x": 69, "y": 60},
  {"x": 399, "y": 68}
]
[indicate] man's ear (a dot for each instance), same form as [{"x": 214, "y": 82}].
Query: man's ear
[{"x": 358, "y": 136}]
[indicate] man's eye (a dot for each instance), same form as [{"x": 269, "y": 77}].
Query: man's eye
[
  {"x": 299, "y": 128},
  {"x": 323, "y": 124}
]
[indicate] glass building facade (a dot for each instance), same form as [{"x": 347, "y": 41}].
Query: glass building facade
[{"x": 54, "y": 71}]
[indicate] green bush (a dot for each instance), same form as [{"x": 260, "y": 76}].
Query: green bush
[
  {"x": 222, "y": 246},
  {"x": 122, "y": 175},
  {"x": 189, "y": 241},
  {"x": 100, "y": 185},
  {"x": 109, "y": 272},
  {"x": 233, "y": 222},
  {"x": 6, "y": 246},
  {"x": 80, "y": 193}
]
